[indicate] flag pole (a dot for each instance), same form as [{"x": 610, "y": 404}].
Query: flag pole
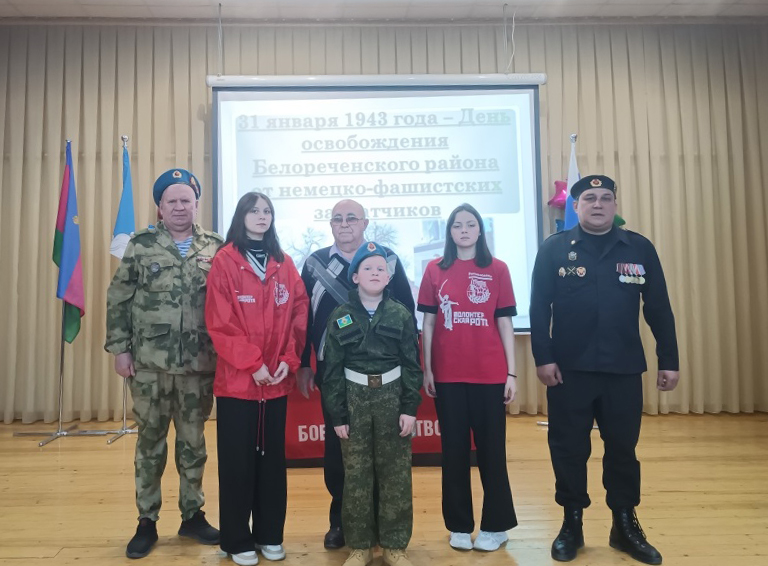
[
  {"x": 124, "y": 429},
  {"x": 60, "y": 430}
]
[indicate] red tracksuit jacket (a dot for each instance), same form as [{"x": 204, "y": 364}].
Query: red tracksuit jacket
[{"x": 253, "y": 323}]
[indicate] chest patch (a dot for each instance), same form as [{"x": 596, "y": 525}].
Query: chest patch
[{"x": 344, "y": 321}]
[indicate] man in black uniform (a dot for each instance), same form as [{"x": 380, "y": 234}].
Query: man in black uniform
[
  {"x": 587, "y": 285},
  {"x": 325, "y": 277}
]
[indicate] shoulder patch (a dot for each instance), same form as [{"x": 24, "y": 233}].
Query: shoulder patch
[{"x": 344, "y": 321}]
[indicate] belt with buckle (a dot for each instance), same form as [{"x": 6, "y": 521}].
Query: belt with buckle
[{"x": 373, "y": 380}]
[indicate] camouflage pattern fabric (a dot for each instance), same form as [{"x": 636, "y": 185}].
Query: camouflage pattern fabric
[
  {"x": 159, "y": 398},
  {"x": 155, "y": 310},
  {"x": 156, "y": 301},
  {"x": 376, "y": 452},
  {"x": 370, "y": 346}
]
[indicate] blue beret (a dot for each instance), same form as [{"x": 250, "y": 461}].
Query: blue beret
[
  {"x": 592, "y": 182},
  {"x": 175, "y": 177},
  {"x": 365, "y": 251}
]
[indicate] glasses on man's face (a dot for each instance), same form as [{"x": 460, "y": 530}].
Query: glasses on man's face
[{"x": 350, "y": 220}]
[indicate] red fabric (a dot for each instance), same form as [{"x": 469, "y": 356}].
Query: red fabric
[
  {"x": 253, "y": 323},
  {"x": 467, "y": 348},
  {"x": 305, "y": 431}
]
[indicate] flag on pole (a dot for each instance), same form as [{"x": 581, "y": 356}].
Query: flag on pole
[
  {"x": 66, "y": 254},
  {"x": 125, "y": 224},
  {"x": 571, "y": 219}
]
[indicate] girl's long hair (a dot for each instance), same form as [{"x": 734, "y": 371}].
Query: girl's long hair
[
  {"x": 483, "y": 256},
  {"x": 237, "y": 234}
]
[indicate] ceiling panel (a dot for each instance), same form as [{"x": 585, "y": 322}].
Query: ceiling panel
[{"x": 381, "y": 10}]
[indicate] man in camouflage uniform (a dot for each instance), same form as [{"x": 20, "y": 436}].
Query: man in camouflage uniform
[
  {"x": 371, "y": 392},
  {"x": 156, "y": 330}
]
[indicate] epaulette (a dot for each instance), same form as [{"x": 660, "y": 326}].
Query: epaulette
[{"x": 148, "y": 230}]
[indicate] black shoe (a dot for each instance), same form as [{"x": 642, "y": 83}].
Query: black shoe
[
  {"x": 200, "y": 529},
  {"x": 627, "y": 536},
  {"x": 334, "y": 538},
  {"x": 571, "y": 536},
  {"x": 144, "y": 539}
]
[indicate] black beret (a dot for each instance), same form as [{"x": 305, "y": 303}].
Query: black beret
[{"x": 592, "y": 182}]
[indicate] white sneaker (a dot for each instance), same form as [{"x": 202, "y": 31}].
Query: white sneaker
[
  {"x": 461, "y": 541},
  {"x": 247, "y": 558},
  {"x": 271, "y": 551},
  {"x": 490, "y": 541}
]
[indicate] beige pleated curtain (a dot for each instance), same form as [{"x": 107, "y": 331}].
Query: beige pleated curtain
[{"x": 677, "y": 114}]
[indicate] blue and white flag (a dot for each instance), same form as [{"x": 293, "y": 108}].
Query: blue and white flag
[{"x": 125, "y": 225}]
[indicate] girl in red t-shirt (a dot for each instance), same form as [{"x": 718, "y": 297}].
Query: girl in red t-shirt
[{"x": 469, "y": 368}]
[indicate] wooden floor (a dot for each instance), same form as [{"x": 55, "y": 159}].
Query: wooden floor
[{"x": 705, "y": 501}]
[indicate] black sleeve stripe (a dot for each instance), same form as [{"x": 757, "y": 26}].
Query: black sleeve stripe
[
  {"x": 506, "y": 311},
  {"x": 427, "y": 308}
]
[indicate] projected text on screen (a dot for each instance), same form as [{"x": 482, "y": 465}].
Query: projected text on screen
[{"x": 409, "y": 157}]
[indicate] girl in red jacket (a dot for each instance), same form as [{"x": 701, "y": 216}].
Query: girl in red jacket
[{"x": 256, "y": 314}]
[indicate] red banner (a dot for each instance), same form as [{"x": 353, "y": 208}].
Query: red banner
[{"x": 305, "y": 431}]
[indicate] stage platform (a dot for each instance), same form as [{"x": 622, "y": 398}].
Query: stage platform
[{"x": 705, "y": 501}]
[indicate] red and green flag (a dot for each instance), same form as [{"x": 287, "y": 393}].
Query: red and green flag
[{"x": 66, "y": 254}]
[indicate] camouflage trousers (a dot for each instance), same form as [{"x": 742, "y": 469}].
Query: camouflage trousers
[
  {"x": 375, "y": 452},
  {"x": 159, "y": 398}
]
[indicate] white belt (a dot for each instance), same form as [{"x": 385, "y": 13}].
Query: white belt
[{"x": 374, "y": 380}]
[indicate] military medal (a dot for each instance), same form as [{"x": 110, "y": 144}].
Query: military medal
[
  {"x": 641, "y": 272},
  {"x": 561, "y": 272},
  {"x": 581, "y": 271},
  {"x": 631, "y": 273},
  {"x": 572, "y": 256},
  {"x": 155, "y": 267}
]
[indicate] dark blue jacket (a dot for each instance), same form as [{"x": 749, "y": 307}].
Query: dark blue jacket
[{"x": 592, "y": 313}]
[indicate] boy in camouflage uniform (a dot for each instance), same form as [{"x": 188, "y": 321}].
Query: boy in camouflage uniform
[
  {"x": 156, "y": 330},
  {"x": 371, "y": 391}
]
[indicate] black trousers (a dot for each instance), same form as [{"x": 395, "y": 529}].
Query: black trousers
[
  {"x": 333, "y": 469},
  {"x": 252, "y": 473},
  {"x": 615, "y": 401},
  {"x": 463, "y": 408}
]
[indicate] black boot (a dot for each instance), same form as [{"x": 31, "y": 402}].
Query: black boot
[
  {"x": 571, "y": 536},
  {"x": 628, "y": 536},
  {"x": 200, "y": 529},
  {"x": 334, "y": 538},
  {"x": 144, "y": 539}
]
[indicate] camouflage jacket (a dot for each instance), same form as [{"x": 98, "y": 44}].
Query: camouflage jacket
[
  {"x": 370, "y": 346},
  {"x": 156, "y": 302}
]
